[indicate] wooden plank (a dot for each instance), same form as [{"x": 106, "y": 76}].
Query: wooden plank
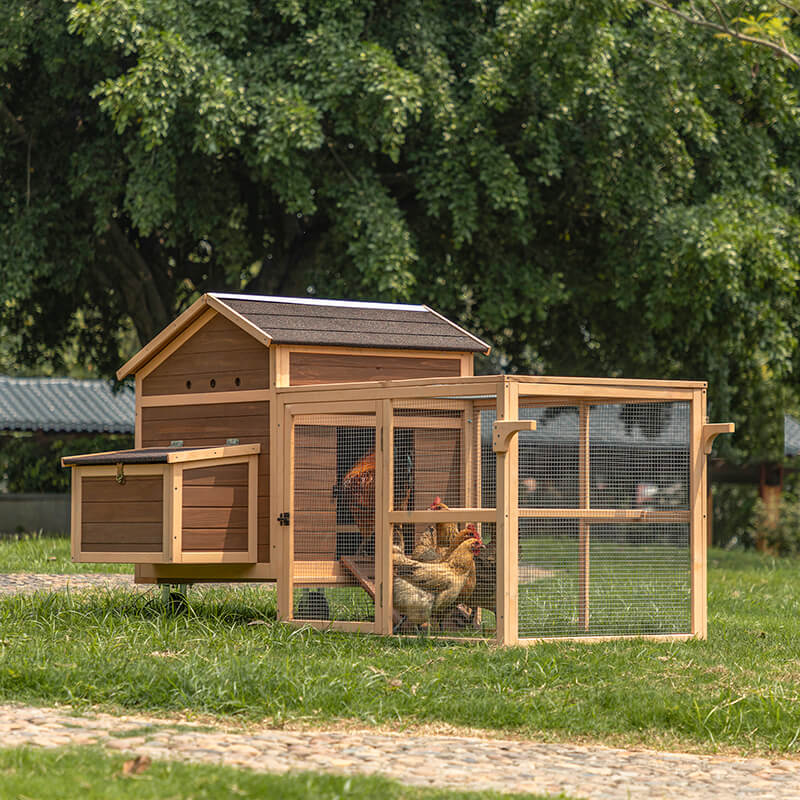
[
  {"x": 215, "y": 539},
  {"x": 128, "y": 547},
  {"x": 697, "y": 532},
  {"x": 205, "y": 573},
  {"x": 111, "y": 512},
  {"x": 384, "y": 491},
  {"x": 208, "y": 381},
  {"x": 122, "y": 533},
  {"x": 315, "y": 368},
  {"x": 107, "y": 490},
  {"x": 76, "y": 503},
  {"x": 453, "y": 515},
  {"x": 204, "y": 398},
  {"x": 223, "y": 518},
  {"x": 214, "y": 496},
  {"x": 210, "y": 412}
]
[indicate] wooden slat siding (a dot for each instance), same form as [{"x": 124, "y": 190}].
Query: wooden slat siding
[
  {"x": 135, "y": 489},
  {"x": 220, "y": 518},
  {"x": 214, "y": 496},
  {"x": 306, "y": 369},
  {"x": 438, "y": 467},
  {"x": 314, "y": 503},
  {"x": 123, "y": 517},
  {"x": 248, "y": 422},
  {"x": 219, "y": 351},
  {"x": 131, "y": 536},
  {"x": 141, "y": 511},
  {"x": 233, "y": 540}
]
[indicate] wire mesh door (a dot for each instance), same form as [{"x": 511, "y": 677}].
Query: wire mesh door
[
  {"x": 333, "y": 514},
  {"x": 604, "y": 520},
  {"x": 438, "y": 564}
]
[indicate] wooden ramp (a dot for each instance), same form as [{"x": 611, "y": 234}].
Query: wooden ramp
[{"x": 366, "y": 582}]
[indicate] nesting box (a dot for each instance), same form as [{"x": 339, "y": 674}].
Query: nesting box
[{"x": 388, "y": 489}]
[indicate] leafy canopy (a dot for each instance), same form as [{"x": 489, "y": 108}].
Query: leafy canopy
[{"x": 595, "y": 187}]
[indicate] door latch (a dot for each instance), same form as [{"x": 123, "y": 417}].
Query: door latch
[{"x": 283, "y": 519}]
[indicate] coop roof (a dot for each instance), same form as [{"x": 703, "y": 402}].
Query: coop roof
[
  {"x": 62, "y": 405},
  {"x": 309, "y": 321}
]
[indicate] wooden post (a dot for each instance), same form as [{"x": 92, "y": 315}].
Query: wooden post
[
  {"x": 384, "y": 503},
  {"x": 583, "y": 525},
  {"x": 508, "y": 520},
  {"x": 699, "y": 515},
  {"x": 285, "y": 496}
]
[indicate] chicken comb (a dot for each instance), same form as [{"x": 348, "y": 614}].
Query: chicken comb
[{"x": 437, "y": 501}]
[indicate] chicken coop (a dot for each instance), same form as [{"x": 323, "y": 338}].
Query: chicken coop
[{"x": 347, "y": 452}]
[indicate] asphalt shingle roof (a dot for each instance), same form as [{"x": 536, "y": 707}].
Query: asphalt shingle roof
[
  {"x": 300, "y": 320},
  {"x": 65, "y": 405}
]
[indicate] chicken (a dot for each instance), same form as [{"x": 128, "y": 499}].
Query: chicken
[
  {"x": 485, "y": 594},
  {"x": 433, "y": 553},
  {"x": 357, "y": 492},
  {"x": 426, "y": 541},
  {"x": 445, "y": 531},
  {"x": 427, "y": 592}
]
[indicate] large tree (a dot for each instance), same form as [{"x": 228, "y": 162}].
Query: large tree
[{"x": 596, "y": 187}]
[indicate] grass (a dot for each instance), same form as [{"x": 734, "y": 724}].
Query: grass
[
  {"x": 35, "y": 552},
  {"x": 739, "y": 691},
  {"x": 89, "y": 774}
]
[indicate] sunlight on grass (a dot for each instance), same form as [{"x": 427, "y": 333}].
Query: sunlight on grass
[{"x": 35, "y": 552}]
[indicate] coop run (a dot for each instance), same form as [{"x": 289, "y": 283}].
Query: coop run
[
  {"x": 507, "y": 508},
  {"x": 346, "y": 452}
]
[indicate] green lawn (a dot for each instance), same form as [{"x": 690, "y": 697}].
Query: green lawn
[
  {"x": 32, "y": 552},
  {"x": 740, "y": 690},
  {"x": 88, "y": 774}
]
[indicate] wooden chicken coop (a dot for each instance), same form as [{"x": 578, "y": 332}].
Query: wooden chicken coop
[{"x": 347, "y": 452}]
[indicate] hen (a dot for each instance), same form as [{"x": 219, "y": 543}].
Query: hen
[
  {"x": 445, "y": 531},
  {"x": 426, "y": 592},
  {"x": 485, "y": 595},
  {"x": 431, "y": 553},
  {"x": 356, "y": 490}
]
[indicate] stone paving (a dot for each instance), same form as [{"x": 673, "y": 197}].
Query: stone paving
[
  {"x": 29, "y": 582},
  {"x": 581, "y": 771},
  {"x": 599, "y": 773}
]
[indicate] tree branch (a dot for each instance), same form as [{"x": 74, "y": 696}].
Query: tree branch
[
  {"x": 12, "y": 121},
  {"x": 701, "y": 22}
]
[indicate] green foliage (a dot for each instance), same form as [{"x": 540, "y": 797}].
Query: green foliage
[
  {"x": 595, "y": 187},
  {"x": 33, "y": 464},
  {"x": 780, "y": 528}
]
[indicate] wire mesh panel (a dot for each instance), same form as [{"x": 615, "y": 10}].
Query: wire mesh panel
[
  {"x": 334, "y": 517},
  {"x": 548, "y": 457},
  {"x": 639, "y": 455},
  {"x": 637, "y": 574},
  {"x": 439, "y": 568}
]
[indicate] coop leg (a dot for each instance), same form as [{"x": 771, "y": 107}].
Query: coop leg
[{"x": 165, "y": 591}]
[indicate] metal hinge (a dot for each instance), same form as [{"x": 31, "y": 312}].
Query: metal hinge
[{"x": 283, "y": 519}]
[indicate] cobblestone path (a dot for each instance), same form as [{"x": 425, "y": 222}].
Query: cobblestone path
[
  {"x": 445, "y": 761},
  {"x": 29, "y": 582}
]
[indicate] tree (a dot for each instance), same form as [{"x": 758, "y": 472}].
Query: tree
[{"x": 596, "y": 187}]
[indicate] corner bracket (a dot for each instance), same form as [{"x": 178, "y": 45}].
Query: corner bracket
[
  {"x": 711, "y": 431},
  {"x": 504, "y": 430}
]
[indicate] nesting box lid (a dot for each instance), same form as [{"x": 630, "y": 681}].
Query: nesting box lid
[{"x": 309, "y": 321}]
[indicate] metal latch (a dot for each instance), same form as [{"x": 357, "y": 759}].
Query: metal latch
[
  {"x": 120, "y": 473},
  {"x": 283, "y": 519}
]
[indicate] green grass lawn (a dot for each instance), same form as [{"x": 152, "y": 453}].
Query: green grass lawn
[
  {"x": 89, "y": 774},
  {"x": 738, "y": 691},
  {"x": 33, "y": 552}
]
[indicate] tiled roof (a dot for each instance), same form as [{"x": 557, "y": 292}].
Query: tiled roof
[
  {"x": 299, "y": 320},
  {"x": 65, "y": 405}
]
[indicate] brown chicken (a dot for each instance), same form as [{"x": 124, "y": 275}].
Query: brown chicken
[
  {"x": 428, "y": 553},
  {"x": 357, "y": 492},
  {"x": 428, "y": 592},
  {"x": 485, "y": 594},
  {"x": 445, "y": 531}
]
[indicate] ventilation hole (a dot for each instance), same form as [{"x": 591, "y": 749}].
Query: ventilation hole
[
  {"x": 213, "y": 383},
  {"x": 238, "y": 381},
  {"x": 188, "y": 384}
]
